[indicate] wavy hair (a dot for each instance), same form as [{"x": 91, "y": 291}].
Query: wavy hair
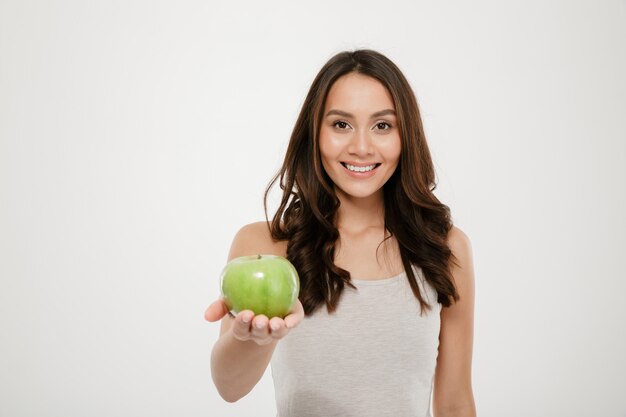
[{"x": 413, "y": 215}]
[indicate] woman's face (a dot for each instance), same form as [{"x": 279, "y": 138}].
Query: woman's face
[{"x": 359, "y": 138}]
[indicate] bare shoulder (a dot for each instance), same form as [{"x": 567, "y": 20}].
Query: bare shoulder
[
  {"x": 463, "y": 264},
  {"x": 254, "y": 239},
  {"x": 457, "y": 239}
]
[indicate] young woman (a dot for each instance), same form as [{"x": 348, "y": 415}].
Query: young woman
[{"x": 384, "y": 320}]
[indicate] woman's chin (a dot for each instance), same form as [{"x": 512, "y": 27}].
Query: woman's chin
[{"x": 359, "y": 193}]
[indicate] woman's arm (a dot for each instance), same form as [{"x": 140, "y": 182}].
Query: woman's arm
[
  {"x": 246, "y": 343},
  {"x": 453, "y": 396}
]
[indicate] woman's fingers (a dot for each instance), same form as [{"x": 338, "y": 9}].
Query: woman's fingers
[
  {"x": 295, "y": 317},
  {"x": 216, "y": 311},
  {"x": 278, "y": 328},
  {"x": 241, "y": 326},
  {"x": 262, "y": 330}
]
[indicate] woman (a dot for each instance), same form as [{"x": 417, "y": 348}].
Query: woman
[{"x": 385, "y": 313}]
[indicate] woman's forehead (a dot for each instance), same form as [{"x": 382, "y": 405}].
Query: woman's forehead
[{"x": 358, "y": 93}]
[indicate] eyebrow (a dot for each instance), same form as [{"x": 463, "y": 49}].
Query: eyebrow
[{"x": 346, "y": 114}]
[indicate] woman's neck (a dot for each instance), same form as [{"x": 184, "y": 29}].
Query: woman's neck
[{"x": 355, "y": 214}]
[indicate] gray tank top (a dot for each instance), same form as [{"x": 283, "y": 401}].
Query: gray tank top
[{"x": 375, "y": 356}]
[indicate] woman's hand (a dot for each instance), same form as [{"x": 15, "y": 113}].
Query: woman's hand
[{"x": 259, "y": 329}]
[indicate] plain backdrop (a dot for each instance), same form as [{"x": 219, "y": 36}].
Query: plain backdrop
[{"x": 137, "y": 137}]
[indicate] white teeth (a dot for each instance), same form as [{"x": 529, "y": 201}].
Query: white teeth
[{"x": 360, "y": 169}]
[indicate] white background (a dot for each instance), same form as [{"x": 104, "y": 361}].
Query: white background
[{"x": 137, "y": 137}]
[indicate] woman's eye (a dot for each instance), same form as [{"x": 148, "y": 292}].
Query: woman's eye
[
  {"x": 383, "y": 125},
  {"x": 340, "y": 124}
]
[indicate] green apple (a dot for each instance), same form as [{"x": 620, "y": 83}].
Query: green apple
[{"x": 265, "y": 284}]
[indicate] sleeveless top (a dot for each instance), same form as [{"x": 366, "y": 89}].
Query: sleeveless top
[{"x": 374, "y": 356}]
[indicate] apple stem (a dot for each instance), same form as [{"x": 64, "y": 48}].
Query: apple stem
[{"x": 258, "y": 256}]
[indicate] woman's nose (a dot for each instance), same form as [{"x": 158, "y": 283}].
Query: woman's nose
[{"x": 361, "y": 144}]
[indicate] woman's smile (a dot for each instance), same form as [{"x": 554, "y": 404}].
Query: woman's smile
[{"x": 360, "y": 170}]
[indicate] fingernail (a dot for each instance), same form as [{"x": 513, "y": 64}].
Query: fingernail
[
  {"x": 259, "y": 325},
  {"x": 246, "y": 318},
  {"x": 274, "y": 326}
]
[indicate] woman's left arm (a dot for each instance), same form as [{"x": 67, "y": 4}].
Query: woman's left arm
[{"x": 453, "y": 396}]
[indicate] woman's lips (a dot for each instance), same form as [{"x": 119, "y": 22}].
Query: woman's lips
[{"x": 356, "y": 172}]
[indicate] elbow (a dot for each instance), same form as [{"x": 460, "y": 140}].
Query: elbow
[
  {"x": 230, "y": 394},
  {"x": 229, "y": 397}
]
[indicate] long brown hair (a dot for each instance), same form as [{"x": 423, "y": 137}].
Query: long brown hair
[{"x": 413, "y": 215}]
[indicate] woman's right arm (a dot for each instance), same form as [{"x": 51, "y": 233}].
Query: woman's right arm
[{"x": 246, "y": 342}]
